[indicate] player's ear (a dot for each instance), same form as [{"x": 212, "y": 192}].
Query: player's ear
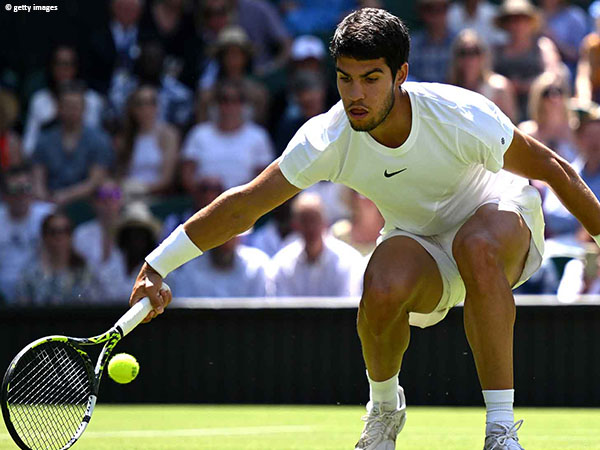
[{"x": 401, "y": 74}]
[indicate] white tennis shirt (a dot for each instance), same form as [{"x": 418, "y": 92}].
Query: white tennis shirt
[{"x": 449, "y": 165}]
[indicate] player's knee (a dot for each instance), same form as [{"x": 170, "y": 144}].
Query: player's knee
[
  {"x": 384, "y": 299},
  {"x": 476, "y": 252}
]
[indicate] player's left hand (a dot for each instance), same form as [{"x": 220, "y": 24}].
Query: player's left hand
[{"x": 150, "y": 284}]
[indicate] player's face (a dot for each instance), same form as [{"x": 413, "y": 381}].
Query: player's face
[{"x": 367, "y": 89}]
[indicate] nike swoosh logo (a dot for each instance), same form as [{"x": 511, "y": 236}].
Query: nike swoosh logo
[{"x": 391, "y": 174}]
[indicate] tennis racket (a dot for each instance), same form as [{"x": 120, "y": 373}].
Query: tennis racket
[{"x": 50, "y": 388}]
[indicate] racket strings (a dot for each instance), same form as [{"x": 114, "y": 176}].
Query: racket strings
[{"x": 48, "y": 395}]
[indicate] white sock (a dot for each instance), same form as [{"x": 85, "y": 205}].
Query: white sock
[
  {"x": 499, "y": 407},
  {"x": 384, "y": 393}
]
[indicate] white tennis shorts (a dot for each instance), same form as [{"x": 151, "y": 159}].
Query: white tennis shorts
[{"x": 524, "y": 201}]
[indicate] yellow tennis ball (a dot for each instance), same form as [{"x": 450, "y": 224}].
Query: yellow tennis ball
[{"x": 123, "y": 368}]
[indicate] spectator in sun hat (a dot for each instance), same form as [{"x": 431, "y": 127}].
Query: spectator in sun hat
[
  {"x": 137, "y": 234},
  {"x": 526, "y": 54},
  {"x": 233, "y": 60},
  {"x": 587, "y": 83}
]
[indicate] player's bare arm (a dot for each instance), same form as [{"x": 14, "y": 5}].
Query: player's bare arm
[
  {"x": 531, "y": 159},
  {"x": 233, "y": 212}
]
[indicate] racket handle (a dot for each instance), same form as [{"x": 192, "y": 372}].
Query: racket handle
[{"x": 134, "y": 316}]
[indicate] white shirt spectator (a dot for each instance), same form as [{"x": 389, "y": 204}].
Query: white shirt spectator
[
  {"x": 337, "y": 272},
  {"x": 234, "y": 157},
  {"x": 42, "y": 109},
  {"x": 87, "y": 240},
  {"x": 200, "y": 278},
  {"x": 146, "y": 160},
  {"x": 19, "y": 243},
  {"x": 482, "y": 23},
  {"x": 268, "y": 239}
]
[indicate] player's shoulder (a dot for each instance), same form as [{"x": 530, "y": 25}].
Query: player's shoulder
[
  {"x": 456, "y": 107},
  {"x": 326, "y": 129}
]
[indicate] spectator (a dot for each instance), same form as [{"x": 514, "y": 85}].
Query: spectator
[
  {"x": 308, "y": 56},
  {"x": 313, "y": 16},
  {"x": 430, "y": 47},
  {"x": 317, "y": 264},
  {"x": 70, "y": 158},
  {"x": 213, "y": 17},
  {"x": 95, "y": 240},
  {"x": 276, "y": 233},
  {"x": 477, "y": 15},
  {"x": 205, "y": 190},
  {"x": 362, "y": 230},
  {"x": 309, "y": 94},
  {"x": 20, "y": 220},
  {"x": 267, "y": 32},
  {"x": 171, "y": 23},
  {"x": 551, "y": 120},
  {"x": 113, "y": 49},
  {"x": 470, "y": 68},
  {"x": 525, "y": 55},
  {"x": 63, "y": 67},
  {"x": 231, "y": 148},
  {"x": 137, "y": 235},
  {"x": 149, "y": 149},
  {"x": 233, "y": 61},
  {"x": 566, "y": 25},
  {"x": 10, "y": 143},
  {"x": 229, "y": 270},
  {"x": 560, "y": 223},
  {"x": 175, "y": 100},
  {"x": 58, "y": 274},
  {"x": 587, "y": 83}
]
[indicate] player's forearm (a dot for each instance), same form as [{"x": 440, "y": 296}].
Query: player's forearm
[
  {"x": 226, "y": 217},
  {"x": 575, "y": 195}
]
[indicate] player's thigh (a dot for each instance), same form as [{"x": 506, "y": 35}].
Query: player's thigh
[
  {"x": 401, "y": 269},
  {"x": 504, "y": 234}
]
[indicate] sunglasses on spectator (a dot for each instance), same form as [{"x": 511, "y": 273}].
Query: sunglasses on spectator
[
  {"x": 55, "y": 231},
  {"x": 109, "y": 194},
  {"x": 552, "y": 91},
  {"x": 468, "y": 51},
  {"x": 19, "y": 188}
]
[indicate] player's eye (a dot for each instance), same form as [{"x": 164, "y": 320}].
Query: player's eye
[
  {"x": 345, "y": 79},
  {"x": 371, "y": 79}
]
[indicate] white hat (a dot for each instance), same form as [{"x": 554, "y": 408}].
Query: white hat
[{"x": 307, "y": 46}]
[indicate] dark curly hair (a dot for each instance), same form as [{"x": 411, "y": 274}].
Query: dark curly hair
[{"x": 371, "y": 33}]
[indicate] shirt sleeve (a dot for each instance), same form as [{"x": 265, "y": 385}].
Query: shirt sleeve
[
  {"x": 311, "y": 156},
  {"x": 486, "y": 136}
]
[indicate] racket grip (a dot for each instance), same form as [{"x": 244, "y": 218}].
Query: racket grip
[{"x": 134, "y": 316}]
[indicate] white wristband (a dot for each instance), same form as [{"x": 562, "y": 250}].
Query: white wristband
[
  {"x": 174, "y": 251},
  {"x": 597, "y": 239}
]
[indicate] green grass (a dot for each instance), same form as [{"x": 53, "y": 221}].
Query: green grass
[{"x": 321, "y": 427}]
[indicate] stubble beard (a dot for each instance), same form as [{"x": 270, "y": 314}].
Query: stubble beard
[{"x": 376, "y": 121}]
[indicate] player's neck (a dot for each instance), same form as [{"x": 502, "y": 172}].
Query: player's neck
[{"x": 394, "y": 130}]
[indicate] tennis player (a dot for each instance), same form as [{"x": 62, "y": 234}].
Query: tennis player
[{"x": 448, "y": 171}]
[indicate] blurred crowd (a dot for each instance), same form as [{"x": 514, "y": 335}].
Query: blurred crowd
[{"x": 170, "y": 102}]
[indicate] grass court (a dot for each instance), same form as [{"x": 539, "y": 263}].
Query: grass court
[{"x": 178, "y": 427}]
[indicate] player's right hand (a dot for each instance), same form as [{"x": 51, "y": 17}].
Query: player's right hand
[{"x": 150, "y": 284}]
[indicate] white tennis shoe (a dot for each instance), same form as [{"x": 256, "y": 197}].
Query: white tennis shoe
[
  {"x": 503, "y": 437},
  {"x": 382, "y": 427}
]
